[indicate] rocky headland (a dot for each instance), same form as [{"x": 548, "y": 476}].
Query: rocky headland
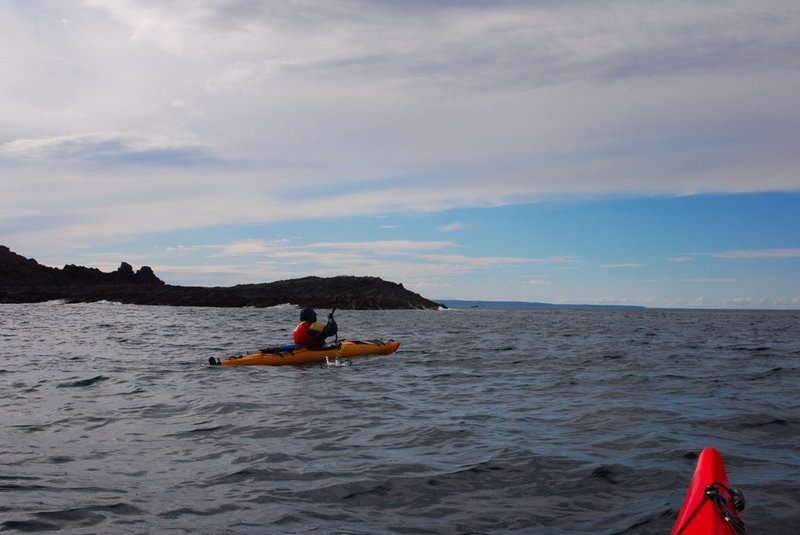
[{"x": 24, "y": 280}]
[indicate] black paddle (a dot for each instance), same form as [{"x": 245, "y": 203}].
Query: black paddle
[{"x": 330, "y": 319}]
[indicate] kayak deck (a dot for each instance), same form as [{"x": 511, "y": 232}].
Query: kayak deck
[
  {"x": 711, "y": 506},
  {"x": 290, "y": 354}
]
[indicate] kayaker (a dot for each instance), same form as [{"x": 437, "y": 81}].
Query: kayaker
[{"x": 311, "y": 333}]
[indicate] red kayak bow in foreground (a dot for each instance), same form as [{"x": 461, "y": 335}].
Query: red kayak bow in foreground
[{"x": 711, "y": 506}]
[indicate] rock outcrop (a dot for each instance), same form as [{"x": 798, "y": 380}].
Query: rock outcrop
[{"x": 24, "y": 280}]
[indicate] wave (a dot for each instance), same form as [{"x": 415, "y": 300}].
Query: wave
[
  {"x": 83, "y": 383},
  {"x": 71, "y": 518}
]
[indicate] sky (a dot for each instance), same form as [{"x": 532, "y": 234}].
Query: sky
[{"x": 575, "y": 151}]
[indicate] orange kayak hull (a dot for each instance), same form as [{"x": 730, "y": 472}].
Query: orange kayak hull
[{"x": 280, "y": 356}]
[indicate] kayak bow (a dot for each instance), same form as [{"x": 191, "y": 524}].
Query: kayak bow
[{"x": 711, "y": 506}]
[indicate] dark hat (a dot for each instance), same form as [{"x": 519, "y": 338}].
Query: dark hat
[{"x": 308, "y": 314}]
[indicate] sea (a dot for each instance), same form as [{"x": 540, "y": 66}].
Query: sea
[{"x": 541, "y": 421}]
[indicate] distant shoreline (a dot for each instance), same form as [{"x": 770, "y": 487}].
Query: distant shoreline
[
  {"x": 521, "y": 305},
  {"x": 465, "y": 304}
]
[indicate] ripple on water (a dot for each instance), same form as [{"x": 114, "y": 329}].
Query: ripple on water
[{"x": 587, "y": 421}]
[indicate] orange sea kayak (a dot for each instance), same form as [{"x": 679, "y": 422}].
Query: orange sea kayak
[
  {"x": 711, "y": 506},
  {"x": 291, "y": 354}
]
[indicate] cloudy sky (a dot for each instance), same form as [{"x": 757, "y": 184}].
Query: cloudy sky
[{"x": 581, "y": 151}]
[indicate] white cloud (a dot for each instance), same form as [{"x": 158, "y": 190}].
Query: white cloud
[
  {"x": 453, "y": 227},
  {"x": 107, "y": 149},
  {"x": 251, "y": 247},
  {"x": 759, "y": 253},
  {"x": 717, "y": 280},
  {"x": 407, "y": 261},
  {"x": 621, "y": 266},
  {"x": 743, "y": 254},
  {"x": 739, "y": 302},
  {"x": 539, "y": 283},
  {"x": 385, "y": 246},
  {"x": 201, "y": 113}
]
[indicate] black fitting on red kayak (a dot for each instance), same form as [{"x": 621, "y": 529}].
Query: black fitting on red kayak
[
  {"x": 714, "y": 495},
  {"x": 737, "y": 497}
]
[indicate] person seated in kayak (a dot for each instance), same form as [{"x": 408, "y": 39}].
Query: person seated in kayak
[{"x": 311, "y": 333}]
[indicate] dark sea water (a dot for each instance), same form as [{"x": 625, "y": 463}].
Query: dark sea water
[{"x": 485, "y": 421}]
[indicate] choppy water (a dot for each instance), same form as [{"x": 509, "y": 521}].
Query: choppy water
[{"x": 542, "y": 421}]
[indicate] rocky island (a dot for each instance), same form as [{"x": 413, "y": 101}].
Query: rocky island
[{"x": 24, "y": 280}]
